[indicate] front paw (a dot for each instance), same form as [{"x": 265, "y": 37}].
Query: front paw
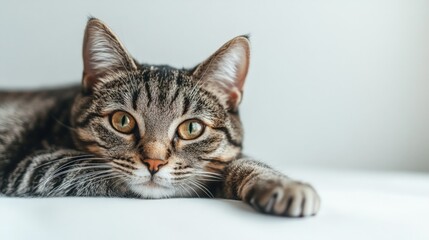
[{"x": 283, "y": 197}]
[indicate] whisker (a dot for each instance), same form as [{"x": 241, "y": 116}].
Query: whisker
[
  {"x": 123, "y": 170},
  {"x": 192, "y": 189},
  {"x": 202, "y": 187},
  {"x": 189, "y": 193},
  {"x": 78, "y": 180},
  {"x": 71, "y": 163},
  {"x": 67, "y": 158},
  {"x": 123, "y": 164},
  {"x": 101, "y": 177},
  {"x": 220, "y": 176},
  {"x": 57, "y": 174}
]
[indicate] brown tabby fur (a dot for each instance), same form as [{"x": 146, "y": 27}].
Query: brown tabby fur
[{"x": 61, "y": 142}]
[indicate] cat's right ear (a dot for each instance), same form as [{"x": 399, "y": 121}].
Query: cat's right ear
[{"x": 103, "y": 54}]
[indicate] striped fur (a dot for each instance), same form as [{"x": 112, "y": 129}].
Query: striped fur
[{"x": 61, "y": 142}]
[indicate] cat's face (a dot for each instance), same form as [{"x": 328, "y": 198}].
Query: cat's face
[{"x": 165, "y": 132}]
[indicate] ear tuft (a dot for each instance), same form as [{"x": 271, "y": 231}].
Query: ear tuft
[
  {"x": 103, "y": 53},
  {"x": 227, "y": 69}
]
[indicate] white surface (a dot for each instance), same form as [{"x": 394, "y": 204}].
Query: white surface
[
  {"x": 331, "y": 82},
  {"x": 355, "y": 205}
]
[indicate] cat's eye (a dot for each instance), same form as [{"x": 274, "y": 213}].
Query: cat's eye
[
  {"x": 190, "y": 129},
  {"x": 123, "y": 122}
]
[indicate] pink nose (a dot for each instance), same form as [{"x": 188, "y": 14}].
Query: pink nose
[{"x": 154, "y": 164}]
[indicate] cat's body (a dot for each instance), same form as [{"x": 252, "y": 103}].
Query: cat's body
[
  {"x": 141, "y": 131},
  {"x": 30, "y": 122}
]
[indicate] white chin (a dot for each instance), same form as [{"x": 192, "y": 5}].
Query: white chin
[{"x": 153, "y": 190}]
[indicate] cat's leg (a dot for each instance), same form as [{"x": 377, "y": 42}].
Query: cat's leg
[
  {"x": 269, "y": 191},
  {"x": 62, "y": 173}
]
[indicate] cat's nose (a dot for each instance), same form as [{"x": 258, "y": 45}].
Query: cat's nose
[{"x": 154, "y": 164}]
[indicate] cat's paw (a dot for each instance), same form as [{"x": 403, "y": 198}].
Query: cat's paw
[{"x": 284, "y": 197}]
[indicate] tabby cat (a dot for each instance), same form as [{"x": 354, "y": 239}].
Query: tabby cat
[{"x": 141, "y": 131}]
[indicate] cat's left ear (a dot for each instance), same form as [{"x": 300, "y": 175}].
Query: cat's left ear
[
  {"x": 226, "y": 70},
  {"x": 103, "y": 54}
]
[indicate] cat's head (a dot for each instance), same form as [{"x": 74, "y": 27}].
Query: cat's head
[{"x": 166, "y": 131}]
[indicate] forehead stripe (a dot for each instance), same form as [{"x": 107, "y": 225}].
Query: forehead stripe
[{"x": 136, "y": 95}]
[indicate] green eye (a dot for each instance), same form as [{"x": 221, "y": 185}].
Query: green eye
[
  {"x": 190, "y": 129},
  {"x": 123, "y": 122}
]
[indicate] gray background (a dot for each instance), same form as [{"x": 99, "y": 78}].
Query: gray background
[{"x": 334, "y": 83}]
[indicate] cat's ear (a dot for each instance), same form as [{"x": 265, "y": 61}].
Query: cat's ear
[
  {"x": 226, "y": 70},
  {"x": 103, "y": 53}
]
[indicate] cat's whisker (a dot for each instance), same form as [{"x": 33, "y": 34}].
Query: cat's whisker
[
  {"x": 212, "y": 174},
  {"x": 204, "y": 186},
  {"x": 208, "y": 176},
  {"x": 62, "y": 159},
  {"x": 65, "y": 166},
  {"x": 124, "y": 170},
  {"x": 209, "y": 180},
  {"x": 91, "y": 180},
  {"x": 72, "y": 164},
  {"x": 102, "y": 177},
  {"x": 51, "y": 177},
  {"x": 117, "y": 182},
  {"x": 78, "y": 180},
  {"x": 190, "y": 187},
  {"x": 184, "y": 190},
  {"x": 181, "y": 178},
  {"x": 124, "y": 165},
  {"x": 213, "y": 178},
  {"x": 98, "y": 173},
  {"x": 80, "y": 168},
  {"x": 201, "y": 187}
]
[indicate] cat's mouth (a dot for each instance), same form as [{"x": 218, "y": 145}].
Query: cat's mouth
[
  {"x": 153, "y": 188},
  {"x": 153, "y": 182}
]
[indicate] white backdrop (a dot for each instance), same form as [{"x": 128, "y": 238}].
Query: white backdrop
[{"x": 335, "y": 83}]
